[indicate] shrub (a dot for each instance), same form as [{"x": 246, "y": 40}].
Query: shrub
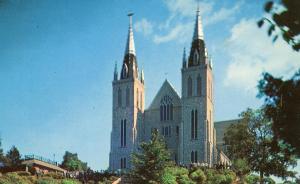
[
  {"x": 198, "y": 176},
  {"x": 32, "y": 179},
  {"x": 54, "y": 175},
  {"x": 184, "y": 179},
  {"x": 14, "y": 178},
  {"x": 47, "y": 180},
  {"x": 252, "y": 179},
  {"x": 168, "y": 178},
  {"x": 69, "y": 181},
  {"x": 23, "y": 173}
]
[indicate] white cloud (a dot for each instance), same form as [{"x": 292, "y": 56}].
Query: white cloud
[
  {"x": 252, "y": 52},
  {"x": 144, "y": 26},
  {"x": 222, "y": 14},
  {"x": 176, "y": 27},
  {"x": 188, "y": 7},
  {"x": 180, "y": 33},
  {"x": 179, "y": 24}
]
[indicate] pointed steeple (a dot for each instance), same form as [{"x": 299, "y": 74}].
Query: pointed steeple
[
  {"x": 198, "y": 31},
  {"x": 142, "y": 76},
  {"x": 130, "y": 49},
  {"x": 116, "y": 72},
  {"x": 197, "y": 53},
  {"x": 130, "y": 68},
  {"x": 184, "y": 59}
]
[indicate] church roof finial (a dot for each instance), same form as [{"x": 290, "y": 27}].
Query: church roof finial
[
  {"x": 198, "y": 32},
  {"x": 130, "y": 49}
]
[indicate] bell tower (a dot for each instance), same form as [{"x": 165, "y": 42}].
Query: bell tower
[
  {"x": 197, "y": 145},
  {"x": 128, "y": 107}
]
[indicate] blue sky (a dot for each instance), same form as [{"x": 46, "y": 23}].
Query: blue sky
[{"x": 57, "y": 59}]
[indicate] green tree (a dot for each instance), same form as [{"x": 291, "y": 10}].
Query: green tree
[
  {"x": 71, "y": 162},
  {"x": 256, "y": 146},
  {"x": 285, "y": 17},
  {"x": 151, "y": 160},
  {"x": 13, "y": 157},
  {"x": 282, "y": 104},
  {"x": 241, "y": 168},
  {"x": 2, "y": 156}
]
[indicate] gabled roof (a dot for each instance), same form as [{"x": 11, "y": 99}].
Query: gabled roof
[{"x": 165, "y": 89}]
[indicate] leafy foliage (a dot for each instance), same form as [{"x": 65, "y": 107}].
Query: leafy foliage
[
  {"x": 22, "y": 178},
  {"x": 71, "y": 162},
  {"x": 241, "y": 168},
  {"x": 151, "y": 160},
  {"x": 282, "y": 104},
  {"x": 219, "y": 176},
  {"x": 254, "y": 179},
  {"x": 14, "y": 178},
  {"x": 2, "y": 156},
  {"x": 252, "y": 140},
  {"x": 13, "y": 157},
  {"x": 286, "y": 18},
  {"x": 198, "y": 176}
]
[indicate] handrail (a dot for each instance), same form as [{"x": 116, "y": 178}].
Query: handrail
[{"x": 35, "y": 157}]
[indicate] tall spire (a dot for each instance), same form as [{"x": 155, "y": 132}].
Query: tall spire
[
  {"x": 184, "y": 59},
  {"x": 116, "y": 72},
  {"x": 142, "y": 76},
  {"x": 130, "y": 68},
  {"x": 198, "y": 32},
  {"x": 130, "y": 49}
]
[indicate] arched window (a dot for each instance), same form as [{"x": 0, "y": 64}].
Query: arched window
[
  {"x": 196, "y": 58},
  {"x": 123, "y": 163},
  {"x": 199, "y": 85},
  {"x": 207, "y": 127},
  {"x": 190, "y": 87},
  {"x": 124, "y": 71},
  {"x": 161, "y": 112},
  {"x": 211, "y": 91},
  {"x": 171, "y": 112},
  {"x": 166, "y": 108},
  {"x": 123, "y": 133},
  {"x": 137, "y": 98},
  {"x": 194, "y": 157},
  {"x": 141, "y": 100},
  {"x": 168, "y": 111},
  {"x": 208, "y": 86},
  {"x": 194, "y": 124},
  {"x": 127, "y": 97},
  {"x": 119, "y": 97},
  {"x": 165, "y": 112}
]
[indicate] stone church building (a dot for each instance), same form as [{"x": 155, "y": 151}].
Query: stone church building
[{"x": 186, "y": 122}]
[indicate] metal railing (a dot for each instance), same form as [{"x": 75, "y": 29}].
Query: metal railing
[{"x": 35, "y": 157}]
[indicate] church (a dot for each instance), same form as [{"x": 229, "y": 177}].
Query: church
[{"x": 186, "y": 122}]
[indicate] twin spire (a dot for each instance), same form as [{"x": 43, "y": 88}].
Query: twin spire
[
  {"x": 129, "y": 67},
  {"x": 130, "y": 48},
  {"x": 198, "y": 31}
]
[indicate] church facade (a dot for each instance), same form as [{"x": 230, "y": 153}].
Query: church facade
[{"x": 186, "y": 122}]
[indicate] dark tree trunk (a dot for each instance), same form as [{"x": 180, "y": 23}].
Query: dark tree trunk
[{"x": 261, "y": 177}]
